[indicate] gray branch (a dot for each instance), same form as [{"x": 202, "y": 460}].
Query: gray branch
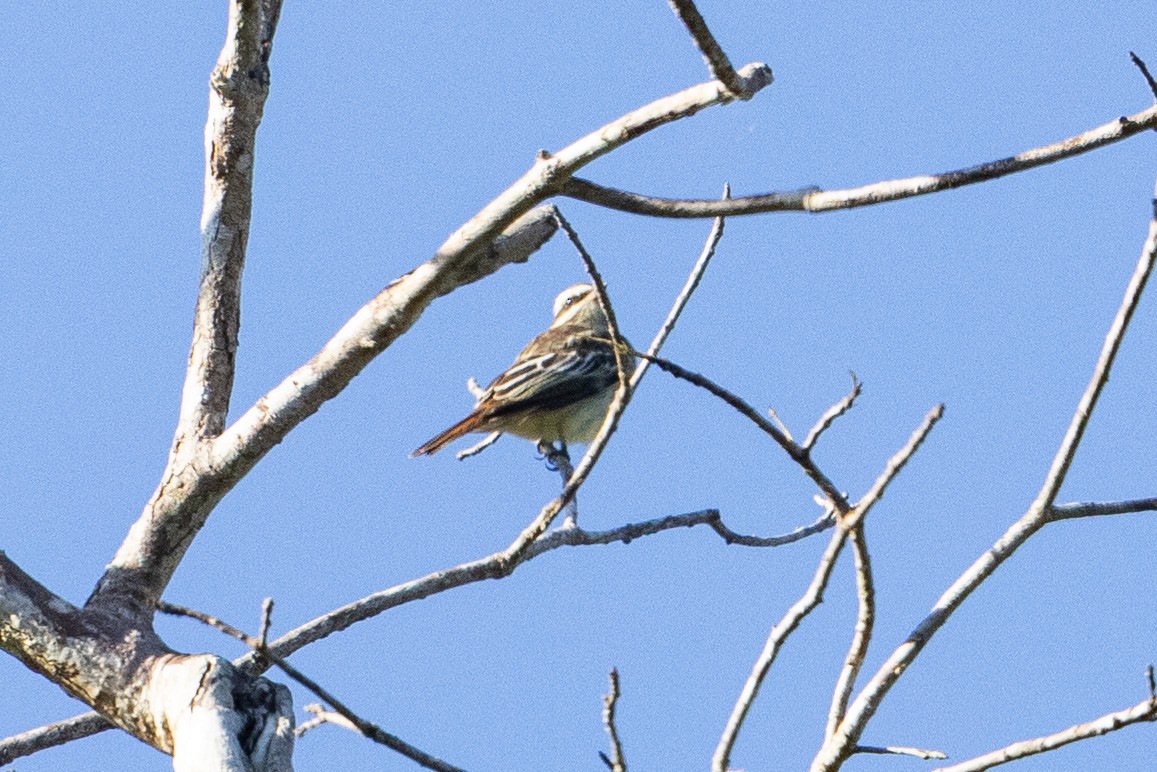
[{"x": 817, "y": 200}]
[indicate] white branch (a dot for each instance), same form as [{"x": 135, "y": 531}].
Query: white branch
[{"x": 1142, "y": 711}]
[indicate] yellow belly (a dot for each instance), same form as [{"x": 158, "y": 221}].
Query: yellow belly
[{"x": 579, "y": 422}]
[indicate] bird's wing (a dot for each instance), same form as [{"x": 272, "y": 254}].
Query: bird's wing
[{"x": 551, "y": 374}]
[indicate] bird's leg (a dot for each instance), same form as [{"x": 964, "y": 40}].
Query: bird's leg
[
  {"x": 553, "y": 455},
  {"x": 558, "y": 460}
]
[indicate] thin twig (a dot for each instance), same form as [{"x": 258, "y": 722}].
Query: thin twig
[
  {"x": 832, "y": 413},
  {"x": 774, "y": 416},
  {"x": 861, "y": 637},
  {"x": 479, "y": 446},
  {"x": 717, "y": 62},
  {"x": 1111, "y": 722},
  {"x": 689, "y": 287},
  {"x": 1145, "y": 72},
  {"x": 366, "y": 728},
  {"x": 266, "y": 620},
  {"x": 615, "y": 762},
  {"x": 841, "y": 745},
  {"x": 797, "y": 453},
  {"x": 323, "y": 716},
  {"x": 58, "y": 733},
  {"x": 899, "y": 750},
  {"x": 895, "y": 464},
  {"x": 620, "y": 346},
  {"x": 817, "y": 200},
  {"x": 720, "y": 761}
]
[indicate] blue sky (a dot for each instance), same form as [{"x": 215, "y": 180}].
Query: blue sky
[{"x": 385, "y": 129}]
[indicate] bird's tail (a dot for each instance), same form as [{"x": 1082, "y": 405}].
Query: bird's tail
[{"x": 468, "y": 424}]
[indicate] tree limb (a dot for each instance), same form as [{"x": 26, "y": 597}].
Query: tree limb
[
  {"x": 489, "y": 568},
  {"x": 817, "y": 200},
  {"x": 1142, "y": 711},
  {"x": 717, "y": 62},
  {"x": 1098, "y": 508},
  {"x": 861, "y": 637},
  {"x": 188, "y": 491}
]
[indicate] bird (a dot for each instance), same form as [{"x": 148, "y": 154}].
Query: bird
[{"x": 559, "y": 387}]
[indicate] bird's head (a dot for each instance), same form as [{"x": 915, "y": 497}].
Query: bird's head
[{"x": 579, "y": 304}]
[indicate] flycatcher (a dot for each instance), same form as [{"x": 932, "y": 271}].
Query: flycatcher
[{"x": 559, "y": 387}]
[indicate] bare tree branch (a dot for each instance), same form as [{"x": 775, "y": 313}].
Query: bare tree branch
[
  {"x": 816, "y": 200},
  {"x": 489, "y": 568},
  {"x": 797, "y": 453},
  {"x": 896, "y": 750},
  {"x": 34, "y": 740},
  {"x": 861, "y": 637},
  {"x": 1144, "y": 72},
  {"x": 832, "y": 413},
  {"x": 615, "y": 762},
  {"x": 717, "y": 62},
  {"x": 1098, "y": 508},
  {"x": 239, "y": 85},
  {"x": 51, "y": 735},
  {"x": 841, "y": 745},
  {"x": 720, "y": 761},
  {"x": 684, "y": 295},
  {"x": 366, "y": 728},
  {"x": 1111, "y": 722}
]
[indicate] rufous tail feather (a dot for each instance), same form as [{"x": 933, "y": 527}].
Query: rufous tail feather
[{"x": 465, "y": 426}]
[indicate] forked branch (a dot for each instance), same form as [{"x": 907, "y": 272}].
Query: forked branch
[{"x": 841, "y": 745}]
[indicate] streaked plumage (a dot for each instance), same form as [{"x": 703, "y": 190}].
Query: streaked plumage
[{"x": 558, "y": 388}]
